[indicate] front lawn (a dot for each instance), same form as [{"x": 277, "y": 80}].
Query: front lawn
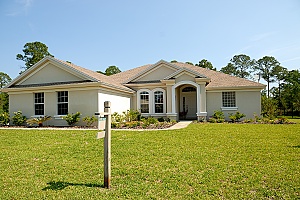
[{"x": 202, "y": 161}]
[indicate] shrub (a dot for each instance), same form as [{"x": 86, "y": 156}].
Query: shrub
[
  {"x": 161, "y": 119},
  {"x": 257, "y": 118},
  {"x": 132, "y": 124},
  {"x": 219, "y": 116},
  {"x": 89, "y": 120},
  {"x": 282, "y": 120},
  {"x": 212, "y": 120},
  {"x": 18, "y": 118},
  {"x": 131, "y": 115},
  {"x": 115, "y": 125},
  {"x": 4, "y": 118},
  {"x": 148, "y": 121},
  {"x": 236, "y": 117},
  {"x": 116, "y": 117},
  {"x": 38, "y": 120},
  {"x": 72, "y": 118},
  {"x": 248, "y": 121}
]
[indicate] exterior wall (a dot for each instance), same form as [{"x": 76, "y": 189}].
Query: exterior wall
[
  {"x": 158, "y": 74},
  {"x": 247, "y": 102},
  {"x": 184, "y": 77},
  {"x": 213, "y": 102},
  {"x": 21, "y": 102},
  {"x": 49, "y": 74},
  {"x": 119, "y": 103},
  {"x": 83, "y": 101}
]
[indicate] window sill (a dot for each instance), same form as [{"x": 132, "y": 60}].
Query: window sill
[
  {"x": 229, "y": 108},
  {"x": 37, "y": 116},
  {"x": 153, "y": 114},
  {"x": 59, "y": 116}
]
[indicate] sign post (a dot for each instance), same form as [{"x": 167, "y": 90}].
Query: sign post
[
  {"x": 107, "y": 141},
  {"x": 107, "y": 144}
]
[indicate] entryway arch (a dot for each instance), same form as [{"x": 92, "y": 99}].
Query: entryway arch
[{"x": 176, "y": 99}]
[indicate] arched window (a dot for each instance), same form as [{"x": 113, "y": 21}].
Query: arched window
[
  {"x": 144, "y": 102},
  {"x": 158, "y": 102},
  {"x": 189, "y": 89}
]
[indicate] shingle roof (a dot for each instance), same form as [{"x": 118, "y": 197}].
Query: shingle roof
[
  {"x": 107, "y": 80},
  {"x": 218, "y": 79},
  {"x": 123, "y": 77}
]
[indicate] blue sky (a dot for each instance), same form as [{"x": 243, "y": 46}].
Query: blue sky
[{"x": 96, "y": 34}]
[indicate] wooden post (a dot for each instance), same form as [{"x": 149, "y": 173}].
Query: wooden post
[{"x": 107, "y": 144}]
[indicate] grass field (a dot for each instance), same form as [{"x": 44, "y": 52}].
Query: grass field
[{"x": 202, "y": 161}]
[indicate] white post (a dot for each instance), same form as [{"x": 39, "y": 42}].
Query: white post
[{"x": 107, "y": 144}]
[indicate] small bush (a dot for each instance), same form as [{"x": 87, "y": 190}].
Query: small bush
[
  {"x": 132, "y": 124},
  {"x": 161, "y": 119},
  {"x": 72, "y": 119},
  {"x": 4, "y": 119},
  {"x": 131, "y": 115},
  {"x": 18, "y": 118},
  {"x": 116, "y": 117},
  {"x": 236, "y": 117},
  {"x": 89, "y": 120},
  {"x": 218, "y": 116},
  {"x": 38, "y": 120},
  {"x": 212, "y": 120},
  {"x": 282, "y": 120}
]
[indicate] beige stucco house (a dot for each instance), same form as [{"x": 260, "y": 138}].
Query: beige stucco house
[{"x": 172, "y": 90}]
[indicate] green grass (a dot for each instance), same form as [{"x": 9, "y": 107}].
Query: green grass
[{"x": 203, "y": 161}]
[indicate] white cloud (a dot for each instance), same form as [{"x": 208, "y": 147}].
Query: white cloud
[
  {"x": 19, "y": 7},
  {"x": 291, "y": 59},
  {"x": 261, "y": 36}
]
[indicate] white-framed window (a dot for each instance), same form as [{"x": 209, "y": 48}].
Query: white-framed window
[
  {"x": 39, "y": 103},
  {"x": 62, "y": 102},
  {"x": 158, "y": 102},
  {"x": 151, "y": 101},
  {"x": 144, "y": 102},
  {"x": 228, "y": 99}
]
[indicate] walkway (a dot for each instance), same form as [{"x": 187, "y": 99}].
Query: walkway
[{"x": 178, "y": 125}]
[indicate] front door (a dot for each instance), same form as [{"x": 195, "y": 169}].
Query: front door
[{"x": 188, "y": 104}]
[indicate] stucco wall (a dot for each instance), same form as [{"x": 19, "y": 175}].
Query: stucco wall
[
  {"x": 158, "y": 74},
  {"x": 213, "y": 102},
  {"x": 247, "y": 102},
  {"x": 184, "y": 77},
  {"x": 21, "y": 102},
  {"x": 49, "y": 74},
  {"x": 119, "y": 103},
  {"x": 83, "y": 101}
]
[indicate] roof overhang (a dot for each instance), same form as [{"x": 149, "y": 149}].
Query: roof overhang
[
  {"x": 66, "y": 86},
  {"x": 151, "y": 68},
  {"x": 215, "y": 89},
  {"x": 42, "y": 63}
]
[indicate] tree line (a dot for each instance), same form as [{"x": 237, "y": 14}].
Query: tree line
[{"x": 283, "y": 99}]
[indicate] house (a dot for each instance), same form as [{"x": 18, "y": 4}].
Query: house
[{"x": 171, "y": 90}]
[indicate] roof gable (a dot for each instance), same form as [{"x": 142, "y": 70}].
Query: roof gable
[
  {"x": 157, "y": 71},
  {"x": 215, "y": 79},
  {"x": 50, "y": 70},
  {"x": 66, "y": 73},
  {"x": 184, "y": 71}
]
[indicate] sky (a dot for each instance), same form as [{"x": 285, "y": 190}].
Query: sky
[{"x": 96, "y": 34}]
